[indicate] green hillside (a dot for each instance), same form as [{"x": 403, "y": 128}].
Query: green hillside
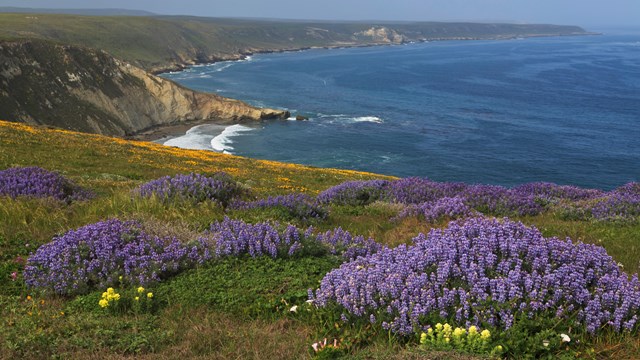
[
  {"x": 160, "y": 43},
  {"x": 236, "y": 307}
]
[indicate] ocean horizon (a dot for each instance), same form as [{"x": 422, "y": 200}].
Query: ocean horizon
[{"x": 504, "y": 112}]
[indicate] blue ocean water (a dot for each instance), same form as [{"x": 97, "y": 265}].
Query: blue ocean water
[{"x": 564, "y": 109}]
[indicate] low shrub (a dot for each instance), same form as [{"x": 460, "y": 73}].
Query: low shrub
[
  {"x": 106, "y": 254},
  {"x": 219, "y": 187},
  {"x": 40, "y": 183},
  {"x": 485, "y": 272}
]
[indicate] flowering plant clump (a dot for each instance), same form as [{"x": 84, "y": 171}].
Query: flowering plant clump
[
  {"x": 236, "y": 237},
  {"x": 40, "y": 183},
  {"x": 297, "y": 205},
  {"x": 620, "y": 204},
  {"x": 342, "y": 242},
  {"x": 416, "y": 190},
  {"x": 449, "y": 208},
  {"x": 134, "y": 300},
  {"x": 97, "y": 255},
  {"x": 445, "y": 337},
  {"x": 485, "y": 271},
  {"x": 108, "y": 297},
  {"x": 195, "y": 187},
  {"x": 355, "y": 193}
]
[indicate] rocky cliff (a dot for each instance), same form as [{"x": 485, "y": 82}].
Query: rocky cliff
[{"x": 88, "y": 90}]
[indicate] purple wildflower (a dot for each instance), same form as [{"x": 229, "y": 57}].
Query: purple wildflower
[
  {"x": 354, "y": 193},
  {"x": 299, "y": 206},
  {"x": 95, "y": 255},
  {"x": 195, "y": 187},
  {"x": 485, "y": 271},
  {"x": 40, "y": 183}
]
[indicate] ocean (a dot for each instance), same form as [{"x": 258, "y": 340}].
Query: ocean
[{"x": 559, "y": 109}]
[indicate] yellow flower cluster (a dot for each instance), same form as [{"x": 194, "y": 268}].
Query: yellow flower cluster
[{"x": 107, "y": 297}]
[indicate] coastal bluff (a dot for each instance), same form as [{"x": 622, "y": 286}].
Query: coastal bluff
[{"x": 82, "y": 89}]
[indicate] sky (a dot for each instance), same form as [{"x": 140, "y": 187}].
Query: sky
[{"x": 565, "y": 12}]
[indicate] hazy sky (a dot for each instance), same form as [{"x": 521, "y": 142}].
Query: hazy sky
[{"x": 575, "y": 12}]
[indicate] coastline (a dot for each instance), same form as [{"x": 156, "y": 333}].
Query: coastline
[
  {"x": 160, "y": 132},
  {"x": 243, "y": 55}
]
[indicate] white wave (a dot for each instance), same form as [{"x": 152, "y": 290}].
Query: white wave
[
  {"x": 346, "y": 119},
  {"x": 197, "y": 138},
  {"x": 373, "y": 119},
  {"x": 222, "y": 142}
]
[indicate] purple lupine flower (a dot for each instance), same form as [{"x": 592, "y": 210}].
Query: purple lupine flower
[
  {"x": 195, "y": 187},
  {"x": 299, "y": 206},
  {"x": 485, "y": 271},
  {"x": 443, "y": 208},
  {"x": 95, "y": 255},
  {"x": 355, "y": 193},
  {"x": 340, "y": 241},
  {"x": 40, "y": 183}
]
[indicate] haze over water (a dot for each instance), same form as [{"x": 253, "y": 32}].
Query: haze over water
[{"x": 564, "y": 110}]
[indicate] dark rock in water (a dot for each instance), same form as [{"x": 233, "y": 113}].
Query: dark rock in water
[{"x": 300, "y": 117}]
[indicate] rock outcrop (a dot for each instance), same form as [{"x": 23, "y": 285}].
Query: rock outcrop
[
  {"x": 382, "y": 35},
  {"x": 88, "y": 90}
]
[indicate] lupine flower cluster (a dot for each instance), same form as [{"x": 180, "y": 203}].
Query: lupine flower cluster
[
  {"x": 236, "y": 237},
  {"x": 340, "y": 241},
  {"x": 195, "y": 187},
  {"x": 40, "y": 183},
  {"x": 443, "y": 208},
  {"x": 622, "y": 203},
  {"x": 355, "y": 193},
  {"x": 423, "y": 195},
  {"x": 484, "y": 271},
  {"x": 101, "y": 254},
  {"x": 300, "y": 206}
]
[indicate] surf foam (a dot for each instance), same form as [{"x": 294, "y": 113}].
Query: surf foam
[{"x": 222, "y": 142}]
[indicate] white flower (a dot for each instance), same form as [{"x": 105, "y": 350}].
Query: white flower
[
  {"x": 545, "y": 343},
  {"x": 315, "y": 346},
  {"x": 309, "y": 301},
  {"x": 565, "y": 338},
  {"x": 294, "y": 308}
]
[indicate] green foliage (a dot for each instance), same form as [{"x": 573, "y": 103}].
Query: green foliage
[
  {"x": 542, "y": 338},
  {"x": 216, "y": 310},
  {"x": 248, "y": 287}
]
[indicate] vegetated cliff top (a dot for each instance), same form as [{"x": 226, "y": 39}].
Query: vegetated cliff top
[
  {"x": 83, "y": 89},
  {"x": 158, "y": 43}
]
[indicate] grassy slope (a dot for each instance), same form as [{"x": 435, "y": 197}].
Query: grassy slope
[
  {"x": 230, "y": 309},
  {"x": 158, "y": 42}
]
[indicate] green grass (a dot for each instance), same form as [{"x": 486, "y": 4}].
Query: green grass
[
  {"x": 158, "y": 42},
  {"x": 230, "y": 308}
]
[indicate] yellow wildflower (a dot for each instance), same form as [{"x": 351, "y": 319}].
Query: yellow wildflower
[
  {"x": 485, "y": 334},
  {"x": 150, "y": 295},
  {"x": 28, "y": 297},
  {"x": 140, "y": 290},
  {"x": 103, "y": 303},
  {"x": 136, "y": 298},
  {"x": 423, "y": 338},
  {"x": 110, "y": 291},
  {"x": 473, "y": 330},
  {"x": 458, "y": 332},
  {"x": 438, "y": 326}
]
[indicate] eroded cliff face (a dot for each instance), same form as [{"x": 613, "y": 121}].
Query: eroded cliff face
[{"x": 88, "y": 90}]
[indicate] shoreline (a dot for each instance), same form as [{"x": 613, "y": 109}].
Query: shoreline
[
  {"x": 243, "y": 55},
  {"x": 175, "y": 130}
]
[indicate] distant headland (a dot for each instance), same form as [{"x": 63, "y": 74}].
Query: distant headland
[{"x": 95, "y": 73}]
